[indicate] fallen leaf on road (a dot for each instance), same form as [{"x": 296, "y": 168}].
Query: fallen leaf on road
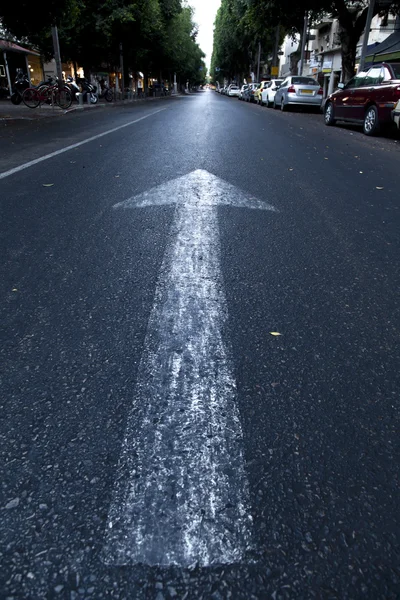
[
  {"x": 361, "y": 172},
  {"x": 14, "y": 290},
  {"x": 117, "y": 176},
  {"x": 275, "y": 333},
  {"x": 47, "y": 184},
  {"x": 291, "y": 169},
  {"x": 72, "y": 162},
  {"x": 379, "y": 188},
  {"x": 326, "y": 158}
]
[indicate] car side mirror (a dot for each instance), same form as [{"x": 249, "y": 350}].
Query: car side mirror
[{"x": 341, "y": 86}]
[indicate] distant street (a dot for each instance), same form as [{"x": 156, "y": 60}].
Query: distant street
[{"x": 200, "y": 355}]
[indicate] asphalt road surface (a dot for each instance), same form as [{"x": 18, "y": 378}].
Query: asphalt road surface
[{"x": 159, "y": 440}]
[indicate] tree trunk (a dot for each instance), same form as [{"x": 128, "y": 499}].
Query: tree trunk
[
  {"x": 349, "y": 49},
  {"x": 352, "y": 25}
]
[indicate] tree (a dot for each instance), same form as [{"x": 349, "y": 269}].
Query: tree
[
  {"x": 29, "y": 18},
  {"x": 351, "y": 14}
]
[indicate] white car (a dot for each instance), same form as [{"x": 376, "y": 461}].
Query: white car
[
  {"x": 268, "y": 94},
  {"x": 263, "y": 86},
  {"x": 233, "y": 90}
]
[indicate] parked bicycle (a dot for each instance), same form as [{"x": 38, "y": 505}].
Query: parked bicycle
[{"x": 51, "y": 93}]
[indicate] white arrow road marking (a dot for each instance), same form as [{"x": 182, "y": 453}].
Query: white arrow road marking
[{"x": 181, "y": 496}]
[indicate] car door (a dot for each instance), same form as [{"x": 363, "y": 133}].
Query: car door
[
  {"x": 369, "y": 91},
  {"x": 281, "y": 91},
  {"x": 345, "y": 100},
  {"x": 359, "y": 96},
  {"x": 264, "y": 93}
]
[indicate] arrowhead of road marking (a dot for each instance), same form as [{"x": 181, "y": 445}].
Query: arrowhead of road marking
[{"x": 199, "y": 188}]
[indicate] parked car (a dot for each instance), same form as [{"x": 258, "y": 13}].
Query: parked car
[
  {"x": 268, "y": 94},
  {"x": 296, "y": 90},
  {"x": 259, "y": 90},
  {"x": 233, "y": 91},
  {"x": 368, "y": 99},
  {"x": 396, "y": 114},
  {"x": 242, "y": 92}
]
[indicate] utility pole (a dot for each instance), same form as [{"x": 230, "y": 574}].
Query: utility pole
[
  {"x": 57, "y": 55},
  {"x": 121, "y": 66},
  {"x": 303, "y": 43},
  {"x": 366, "y": 35},
  {"x": 258, "y": 62}
]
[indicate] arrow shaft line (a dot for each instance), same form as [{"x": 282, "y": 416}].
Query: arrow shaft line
[{"x": 181, "y": 496}]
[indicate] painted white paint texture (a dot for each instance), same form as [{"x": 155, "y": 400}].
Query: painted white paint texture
[{"x": 181, "y": 494}]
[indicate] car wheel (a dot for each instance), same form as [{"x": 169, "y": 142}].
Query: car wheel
[
  {"x": 371, "y": 121},
  {"x": 328, "y": 115},
  {"x": 283, "y": 106}
]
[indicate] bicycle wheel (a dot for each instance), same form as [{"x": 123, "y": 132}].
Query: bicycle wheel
[
  {"x": 109, "y": 96},
  {"x": 63, "y": 98},
  {"x": 31, "y": 98}
]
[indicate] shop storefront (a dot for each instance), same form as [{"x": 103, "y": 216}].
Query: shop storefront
[{"x": 14, "y": 58}]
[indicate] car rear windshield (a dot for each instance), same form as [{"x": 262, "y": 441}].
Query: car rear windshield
[
  {"x": 396, "y": 69},
  {"x": 234, "y": 87},
  {"x": 304, "y": 81}
]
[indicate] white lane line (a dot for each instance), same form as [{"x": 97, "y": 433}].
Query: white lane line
[
  {"x": 36, "y": 161},
  {"x": 181, "y": 494}
]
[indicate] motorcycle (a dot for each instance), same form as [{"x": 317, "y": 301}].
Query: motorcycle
[
  {"x": 21, "y": 83},
  {"x": 73, "y": 87},
  {"x": 89, "y": 91}
]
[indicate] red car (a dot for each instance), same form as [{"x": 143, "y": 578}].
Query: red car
[{"x": 369, "y": 98}]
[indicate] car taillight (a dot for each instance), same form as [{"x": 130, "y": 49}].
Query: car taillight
[
  {"x": 320, "y": 92},
  {"x": 292, "y": 90}
]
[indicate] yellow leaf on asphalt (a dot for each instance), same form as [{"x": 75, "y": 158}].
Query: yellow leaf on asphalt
[
  {"x": 48, "y": 184},
  {"x": 275, "y": 333}
]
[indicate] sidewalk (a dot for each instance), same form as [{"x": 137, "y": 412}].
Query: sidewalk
[{"x": 10, "y": 112}]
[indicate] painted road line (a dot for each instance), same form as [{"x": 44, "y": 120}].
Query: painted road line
[
  {"x": 181, "y": 495},
  {"x": 36, "y": 161}
]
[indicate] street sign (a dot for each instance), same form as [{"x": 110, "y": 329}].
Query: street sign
[
  {"x": 181, "y": 496},
  {"x": 274, "y": 71}
]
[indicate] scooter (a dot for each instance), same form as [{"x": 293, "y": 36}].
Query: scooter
[
  {"x": 73, "y": 87},
  {"x": 21, "y": 83},
  {"x": 89, "y": 89}
]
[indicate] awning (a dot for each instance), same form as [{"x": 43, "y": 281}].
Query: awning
[
  {"x": 11, "y": 47},
  {"x": 387, "y": 51}
]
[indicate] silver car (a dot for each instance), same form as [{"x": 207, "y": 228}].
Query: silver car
[{"x": 297, "y": 90}]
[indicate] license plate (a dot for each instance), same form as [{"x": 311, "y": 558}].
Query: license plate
[{"x": 306, "y": 92}]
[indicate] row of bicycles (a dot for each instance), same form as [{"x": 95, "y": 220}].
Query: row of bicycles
[{"x": 55, "y": 92}]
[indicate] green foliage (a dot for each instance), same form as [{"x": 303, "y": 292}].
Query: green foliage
[
  {"x": 240, "y": 22},
  {"x": 156, "y": 35}
]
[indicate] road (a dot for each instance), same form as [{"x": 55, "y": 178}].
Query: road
[{"x": 159, "y": 440}]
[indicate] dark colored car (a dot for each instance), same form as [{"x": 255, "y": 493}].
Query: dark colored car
[{"x": 369, "y": 98}]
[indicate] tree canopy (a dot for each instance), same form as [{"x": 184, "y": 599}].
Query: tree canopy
[
  {"x": 157, "y": 35},
  {"x": 240, "y": 22}
]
